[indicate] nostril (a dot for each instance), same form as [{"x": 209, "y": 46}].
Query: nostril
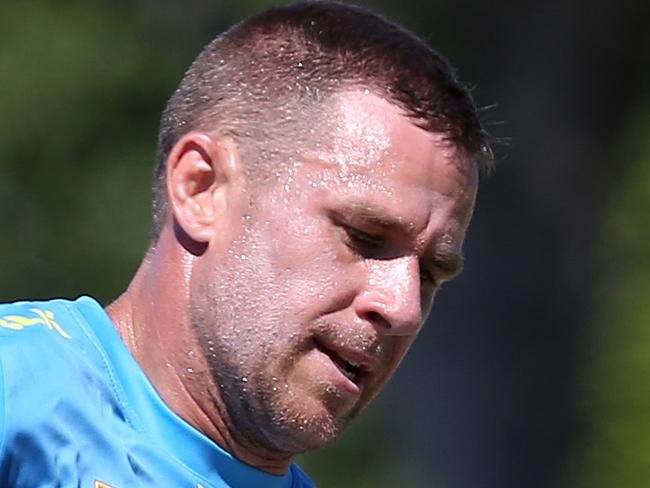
[{"x": 377, "y": 319}]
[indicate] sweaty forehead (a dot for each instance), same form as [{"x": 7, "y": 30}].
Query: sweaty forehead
[
  {"x": 361, "y": 132},
  {"x": 368, "y": 132}
]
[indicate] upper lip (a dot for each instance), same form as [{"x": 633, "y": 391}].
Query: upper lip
[{"x": 364, "y": 362}]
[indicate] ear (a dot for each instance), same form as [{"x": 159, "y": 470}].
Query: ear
[{"x": 201, "y": 171}]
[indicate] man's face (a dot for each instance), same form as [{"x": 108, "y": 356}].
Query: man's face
[{"x": 312, "y": 308}]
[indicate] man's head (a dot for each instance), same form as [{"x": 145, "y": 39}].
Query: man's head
[
  {"x": 265, "y": 80},
  {"x": 318, "y": 165}
]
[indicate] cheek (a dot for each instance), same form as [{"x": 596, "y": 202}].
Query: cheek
[{"x": 309, "y": 264}]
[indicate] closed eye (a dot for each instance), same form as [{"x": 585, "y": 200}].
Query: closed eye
[{"x": 362, "y": 242}]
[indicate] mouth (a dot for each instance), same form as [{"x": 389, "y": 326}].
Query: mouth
[{"x": 351, "y": 369}]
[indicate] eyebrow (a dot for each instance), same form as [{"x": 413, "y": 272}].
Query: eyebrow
[{"x": 371, "y": 215}]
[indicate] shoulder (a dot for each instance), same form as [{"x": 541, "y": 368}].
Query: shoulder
[
  {"x": 42, "y": 343},
  {"x": 40, "y": 334},
  {"x": 33, "y": 331},
  {"x": 36, "y": 320},
  {"x": 50, "y": 372},
  {"x": 44, "y": 347}
]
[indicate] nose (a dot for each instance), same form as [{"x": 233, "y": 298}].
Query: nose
[{"x": 392, "y": 299}]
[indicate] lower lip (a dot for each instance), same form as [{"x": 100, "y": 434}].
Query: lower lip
[{"x": 340, "y": 379}]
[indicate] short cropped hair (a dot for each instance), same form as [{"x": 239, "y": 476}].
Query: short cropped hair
[{"x": 255, "y": 81}]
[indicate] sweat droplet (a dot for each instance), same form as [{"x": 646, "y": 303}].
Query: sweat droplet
[{"x": 244, "y": 379}]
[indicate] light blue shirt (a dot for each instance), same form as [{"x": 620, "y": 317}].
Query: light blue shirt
[{"x": 76, "y": 410}]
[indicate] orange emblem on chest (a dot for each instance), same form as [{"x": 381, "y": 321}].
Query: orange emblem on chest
[{"x": 100, "y": 484}]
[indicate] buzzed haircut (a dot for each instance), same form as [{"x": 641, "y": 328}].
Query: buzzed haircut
[{"x": 257, "y": 82}]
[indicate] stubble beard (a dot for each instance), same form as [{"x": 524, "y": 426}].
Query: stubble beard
[{"x": 248, "y": 362}]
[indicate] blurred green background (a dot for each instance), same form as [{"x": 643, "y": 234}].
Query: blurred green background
[{"x": 532, "y": 371}]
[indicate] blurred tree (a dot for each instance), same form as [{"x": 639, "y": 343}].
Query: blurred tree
[
  {"x": 615, "y": 450},
  {"x": 82, "y": 90}
]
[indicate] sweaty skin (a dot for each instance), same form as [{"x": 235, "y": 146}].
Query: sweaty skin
[{"x": 269, "y": 318}]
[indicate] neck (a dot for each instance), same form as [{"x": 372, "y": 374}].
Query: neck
[{"x": 153, "y": 319}]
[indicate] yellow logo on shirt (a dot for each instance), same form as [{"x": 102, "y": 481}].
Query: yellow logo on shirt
[{"x": 42, "y": 317}]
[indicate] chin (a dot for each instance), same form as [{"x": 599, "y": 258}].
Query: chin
[
  {"x": 298, "y": 431},
  {"x": 315, "y": 436}
]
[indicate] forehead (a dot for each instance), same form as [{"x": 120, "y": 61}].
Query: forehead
[
  {"x": 362, "y": 129},
  {"x": 371, "y": 162},
  {"x": 365, "y": 130},
  {"x": 371, "y": 141}
]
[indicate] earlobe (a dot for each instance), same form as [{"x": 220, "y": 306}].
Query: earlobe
[{"x": 199, "y": 170}]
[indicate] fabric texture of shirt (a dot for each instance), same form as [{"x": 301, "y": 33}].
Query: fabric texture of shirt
[{"x": 76, "y": 410}]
